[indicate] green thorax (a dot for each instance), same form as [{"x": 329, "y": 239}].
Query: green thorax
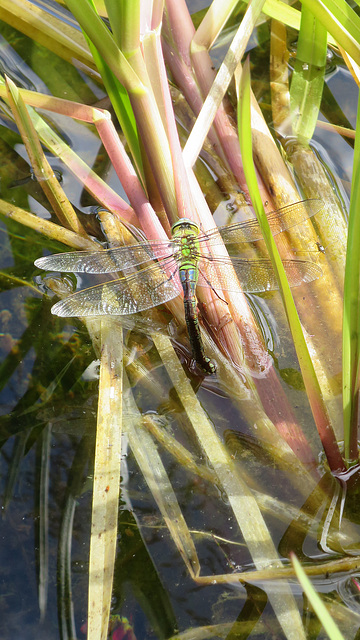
[{"x": 185, "y": 232}]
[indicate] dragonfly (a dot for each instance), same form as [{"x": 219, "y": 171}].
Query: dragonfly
[{"x": 156, "y": 272}]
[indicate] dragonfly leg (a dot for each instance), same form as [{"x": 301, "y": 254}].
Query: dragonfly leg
[
  {"x": 211, "y": 286},
  {"x": 171, "y": 277}
]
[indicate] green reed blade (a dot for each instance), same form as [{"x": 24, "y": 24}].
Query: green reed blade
[
  {"x": 322, "y": 613},
  {"x": 106, "y": 484},
  {"x": 41, "y": 166},
  {"x": 341, "y": 22},
  {"x": 120, "y": 101},
  {"x": 351, "y": 314},
  {"x": 115, "y": 15},
  {"x": 101, "y": 37},
  {"x": 307, "y": 369},
  {"x": 308, "y": 77}
]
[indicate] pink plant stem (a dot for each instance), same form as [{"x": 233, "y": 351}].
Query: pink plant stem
[
  {"x": 108, "y": 198},
  {"x": 101, "y": 192},
  {"x": 146, "y": 215},
  {"x": 75, "y": 110},
  {"x": 248, "y": 346},
  {"x": 277, "y": 408},
  {"x": 256, "y": 355},
  {"x": 182, "y": 32},
  {"x": 92, "y": 183},
  {"x": 157, "y": 14},
  {"x": 157, "y": 73},
  {"x": 184, "y": 78},
  {"x": 216, "y": 309},
  {"x": 326, "y": 432}
]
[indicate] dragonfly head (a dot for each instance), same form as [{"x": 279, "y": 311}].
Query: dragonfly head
[{"x": 185, "y": 224}]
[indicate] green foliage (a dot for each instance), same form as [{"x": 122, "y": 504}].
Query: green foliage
[
  {"x": 120, "y": 101},
  {"x": 351, "y": 315},
  {"x": 308, "y": 76},
  {"x": 328, "y": 623},
  {"x": 307, "y": 367}
]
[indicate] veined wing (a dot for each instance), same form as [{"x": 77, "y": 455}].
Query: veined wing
[
  {"x": 139, "y": 291},
  {"x": 279, "y": 221},
  {"x": 106, "y": 261},
  {"x": 254, "y": 276}
]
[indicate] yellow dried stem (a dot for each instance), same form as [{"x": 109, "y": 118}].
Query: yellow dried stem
[
  {"x": 279, "y": 78},
  {"x": 241, "y": 499},
  {"x": 321, "y": 310},
  {"x": 182, "y": 455},
  {"x": 351, "y": 65},
  {"x": 324, "y": 317},
  {"x": 106, "y": 483},
  {"x": 335, "y": 128},
  {"x": 47, "y": 228},
  {"x": 42, "y": 169},
  {"x": 322, "y": 569},
  {"x": 52, "y": 32},
  {"x": 146, "y": 454}
]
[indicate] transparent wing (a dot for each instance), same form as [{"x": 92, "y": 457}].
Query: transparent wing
[
  {"x": 107, "y": 261},
  {"x": 279, "y": 221},
  {"x": 125, "y": 258},
  {"x": 142, "y": 290},
  {"x": 254, "y": 276}
]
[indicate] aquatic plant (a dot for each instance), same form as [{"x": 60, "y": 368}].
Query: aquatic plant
[{"x": 165, "y": 178}]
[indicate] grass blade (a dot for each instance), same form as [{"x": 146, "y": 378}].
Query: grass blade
[
  {"x": 341, "y": 22},
  {"x": 308, "y": 78},
  {"x": 120, "y": 101},
  {"x": 316, "y": 400},
  {"x": 43, "y": 525},
  {"x": 47, "y": 26},
  {"x": 14, "y": 471},
  {"x": 241, "y": 499},
  {"x": 43, "y": 171},
  {"x": 336, "y": 16},
  {"x": 147, "y": 456},
  {"x": 64, "y": 565},
  {"x": 106, "y": 484},
  {"x": 351, "y": 314},
  {"x": 316, "y": 602},
  {"x": 65, "y": 604}
]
